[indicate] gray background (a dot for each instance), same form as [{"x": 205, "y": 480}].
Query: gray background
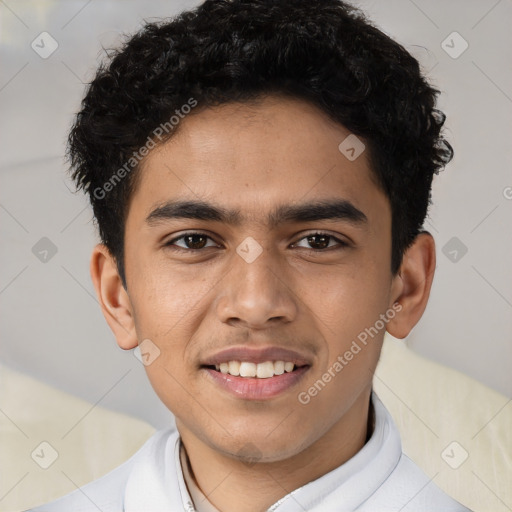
[{"x": 51, "y": 324}]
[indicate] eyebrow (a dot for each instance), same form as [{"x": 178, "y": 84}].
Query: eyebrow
[{"x": 333, "y": 210}]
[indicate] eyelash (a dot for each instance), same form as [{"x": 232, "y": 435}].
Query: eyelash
[{"x": 341, "y": 244}]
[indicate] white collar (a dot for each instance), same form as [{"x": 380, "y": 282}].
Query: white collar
[
  {"x": 156, "y": 482},
  {"x": 382, "y": 452}
]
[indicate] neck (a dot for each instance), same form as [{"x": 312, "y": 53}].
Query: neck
[{"x": 235, "y": 486}]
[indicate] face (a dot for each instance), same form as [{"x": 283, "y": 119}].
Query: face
[{"x": 264, "y": 271}]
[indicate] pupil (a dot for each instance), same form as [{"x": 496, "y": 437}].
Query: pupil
[
  {"x": 324, "y": 238},
  {"x": 190, "y": 242}
]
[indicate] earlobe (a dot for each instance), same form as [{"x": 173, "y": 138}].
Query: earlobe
[
  {"x": 113, "y": 298},
  {"x": 411, "y": 286}
]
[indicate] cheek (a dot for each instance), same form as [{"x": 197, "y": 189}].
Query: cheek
[
  {"x": 350, "y": 307},
  {"x": 164, "y": 296},
  {"x": 168, "y": 306},
  {"x": 166, "y": 313},
  {"x": 353, "y": 296}
]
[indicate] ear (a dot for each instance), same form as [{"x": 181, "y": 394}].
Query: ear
[
  {"x": 411, "y": 286},
  {"x": 112, "y": 296}
]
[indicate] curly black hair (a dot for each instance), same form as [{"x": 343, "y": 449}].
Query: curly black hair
[{"x": 326, "y": 53}]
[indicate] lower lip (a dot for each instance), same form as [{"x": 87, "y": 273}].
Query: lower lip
[{"x": 252, "y": 388}]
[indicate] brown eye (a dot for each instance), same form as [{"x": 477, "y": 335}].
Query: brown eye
[
  {"x": 195, "y": 241},
  {"x": 191, "y": 241},
  {"x": 321, "y": 241}
]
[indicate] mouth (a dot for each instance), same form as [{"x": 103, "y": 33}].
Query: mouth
[
  {"x": 256, "y": 381},
  {"x": 247, "y": 369}
]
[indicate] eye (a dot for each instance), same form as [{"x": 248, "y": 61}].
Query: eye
[
  {"x": 193, "y": 242},
  {"x": 323, "y": 240},
  {"x": 196, "y": 241}
]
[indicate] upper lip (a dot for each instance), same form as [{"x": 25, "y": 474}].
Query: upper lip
[{"x": 256, "y": 355}]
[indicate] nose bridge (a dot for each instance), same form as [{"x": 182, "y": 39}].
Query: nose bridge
[
  {"x": 255, "y": 290},
  {"x": 256, "y": 268}
]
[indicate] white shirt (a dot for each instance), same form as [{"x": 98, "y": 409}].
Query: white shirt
[{"x": 379, "y": 478}]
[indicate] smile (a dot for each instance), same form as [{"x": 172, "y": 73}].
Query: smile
[
  {"x": 251, "y": 381},
  {"x": 263, "y": 370}
]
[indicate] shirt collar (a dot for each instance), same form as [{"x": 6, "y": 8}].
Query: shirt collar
[{"x": 350, "y": 484}]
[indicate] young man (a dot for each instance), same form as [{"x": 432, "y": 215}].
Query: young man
[{"x": 260, "y": 171}]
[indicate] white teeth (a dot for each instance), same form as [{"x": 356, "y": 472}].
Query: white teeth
[
  {"x": 288, "y": 367},
  {"x": 265, "y": 370},
  {"x": 261, "y": 370},
  {"x": 247, "y": 369},
  {"x": 234, "y": 367},
  {"x": 279, "y": 367}
]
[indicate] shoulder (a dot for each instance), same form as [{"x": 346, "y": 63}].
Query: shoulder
[
  {"x": 106, "y": 493},
  {"x": 408, "y": 488}
]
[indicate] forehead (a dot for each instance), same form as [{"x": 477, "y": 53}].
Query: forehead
[{"x": 253, "y": 156}]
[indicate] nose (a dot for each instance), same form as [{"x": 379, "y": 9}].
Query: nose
[{"x": 257, "y": 294}]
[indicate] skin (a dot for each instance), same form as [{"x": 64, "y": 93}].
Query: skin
[{"x": 254, "y": 157}]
